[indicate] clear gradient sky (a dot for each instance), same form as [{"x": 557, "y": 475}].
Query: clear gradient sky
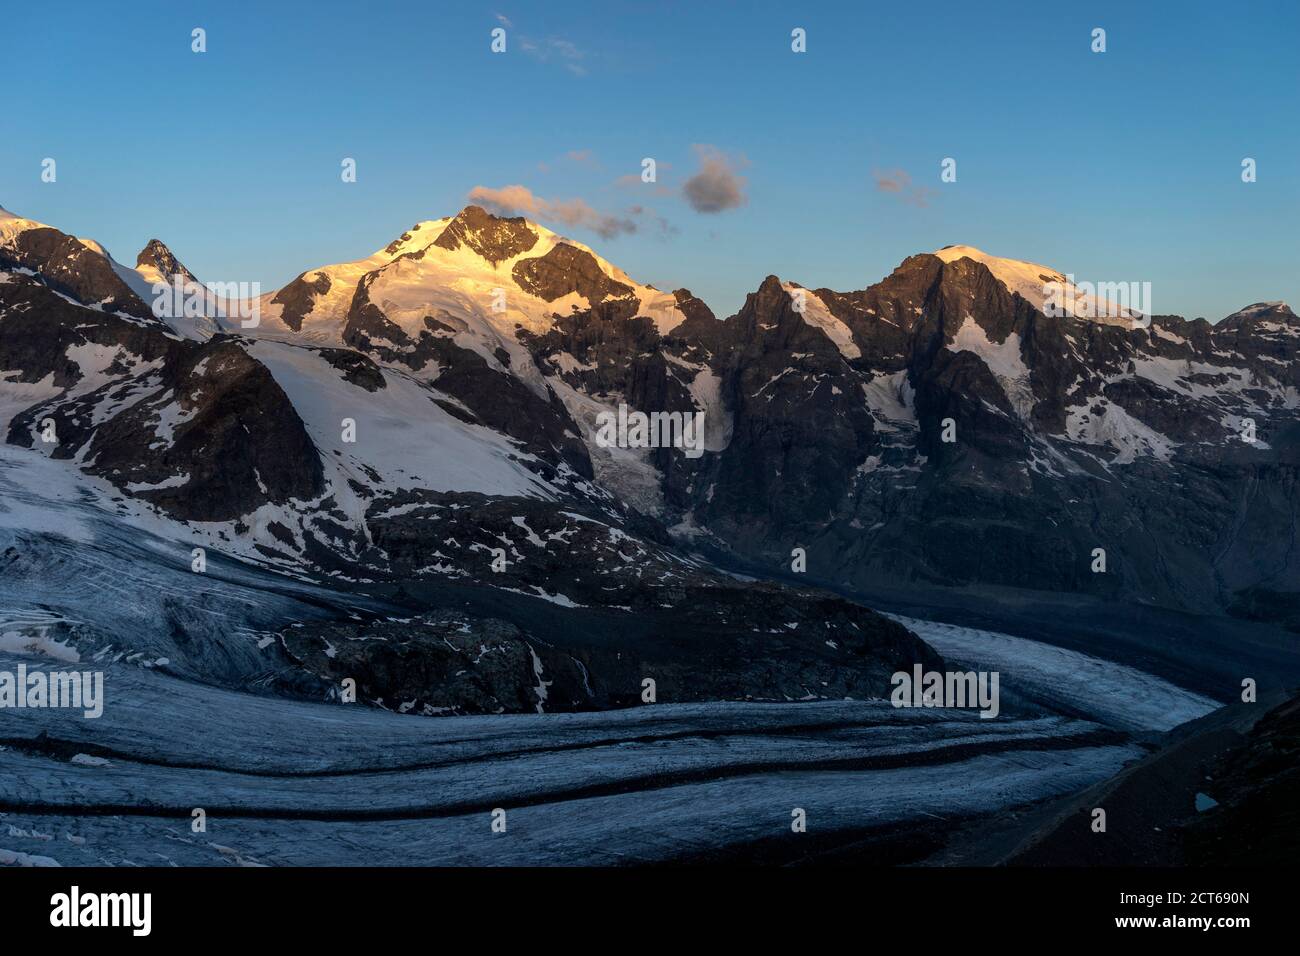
[{"x": 1122, "y": 166}]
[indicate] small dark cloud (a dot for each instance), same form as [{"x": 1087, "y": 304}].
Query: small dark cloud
[{"x": 717, "y": 187}]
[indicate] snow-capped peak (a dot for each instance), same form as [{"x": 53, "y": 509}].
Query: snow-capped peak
[
  {"x": 1025, "y": 278},
  {"x": 458, "y": 267},
  {"x": 157, "y": 263},
  {"x": 1049, "y": 290},
  {"x": 1264, "y": 317},
  {"x": 1260, "y": 308}
]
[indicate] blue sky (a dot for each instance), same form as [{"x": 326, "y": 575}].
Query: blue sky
[{"x": 1119, "y": 166}]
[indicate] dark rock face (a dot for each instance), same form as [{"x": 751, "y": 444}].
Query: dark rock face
[
  {"x": 698, "y": 315},
  {"x": 237, "y": 437},
  {"x": 37, "y": 328},
  {"x": 1069, "y": 436},
  {"x": 567, "y": 269},
  {"x": 69, "y": 266},
  {"x": 458, "y": 662},
  {"x": 367, "y": 328},
  {"x": 795, "y": 409},
  {"x": 358, "y": 369},
  {"x": 495, "y": 238},
  {"x": 1257, "y": 788},
  {"x": 145, "y": 410},
  {"x": 299, "y": 297},
  {"x": 616, "y": 353}
]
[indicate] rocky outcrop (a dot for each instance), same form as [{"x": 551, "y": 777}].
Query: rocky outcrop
[
  {"x": 299, "y": 297},
  {"x": 495, "y": 238},
  {"x": 200, "y": 430},
  {"x": 1217, "y": 792},
  {"x": 461, "y": 662},
  {"x": 69, "y": 266},
  {"x": 1252, "y": 816},
  {"x": 567, "y": 269},
  {"x": 216, "y": 442}
]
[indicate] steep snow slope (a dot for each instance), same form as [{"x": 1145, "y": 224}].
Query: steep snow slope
[{"x": 404, "y": 439}]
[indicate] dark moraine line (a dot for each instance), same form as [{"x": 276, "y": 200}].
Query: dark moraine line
[{"x": 637, "y": 784}]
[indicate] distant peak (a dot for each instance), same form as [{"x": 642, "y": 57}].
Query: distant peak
[
  {"x": 157, "y": 256},
  {"x": 1262, "y": 309}
]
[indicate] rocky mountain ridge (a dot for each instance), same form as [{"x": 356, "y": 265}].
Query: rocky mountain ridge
[{"x": 936, "y": 428}]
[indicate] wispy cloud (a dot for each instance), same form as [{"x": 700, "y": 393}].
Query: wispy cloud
[
  {"x": 556, "y": 50},
  {"x": 717, "y": 186},
  {"x": 578, "y": 213},
  {"x": 578, "y": 157},
  {"x": 891, "y": 180},
  {"x": 662, "y": 226},
  {"x": 659, "y": 188},
  {"x": 899, "y": 182},
  {"x": 503, "y": 20}
]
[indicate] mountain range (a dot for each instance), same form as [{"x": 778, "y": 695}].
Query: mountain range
[{"x": 428, "y": 416}]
